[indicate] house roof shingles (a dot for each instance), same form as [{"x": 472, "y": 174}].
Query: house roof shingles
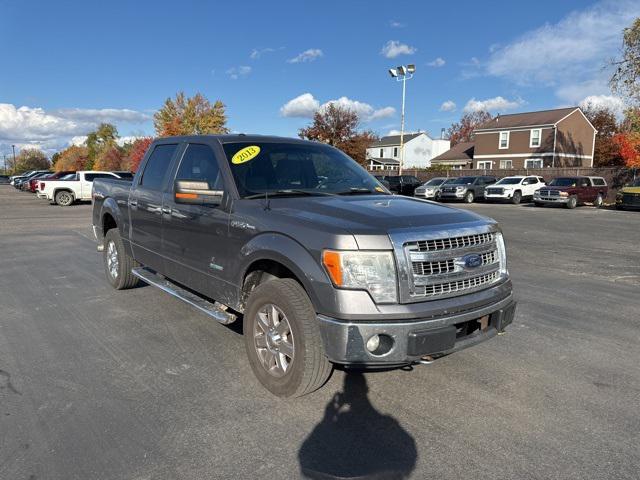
[
  {"x": 395, "y": 139},
  {"x": 460, "y": 151},
  {"x": 386, "y": 161},
  {"x": 527, "y": 119}
]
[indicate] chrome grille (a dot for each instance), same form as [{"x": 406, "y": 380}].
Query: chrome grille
[
  {"x": 443, "y": 267},
  {"x": 549, "y": 193},
  {"x": 495, "y": 191}
]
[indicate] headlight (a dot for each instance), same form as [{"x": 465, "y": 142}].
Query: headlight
[
  {"x": 374, "y": 272},
  {"x": 502, "y": 253},
  {"x": 564, "y": 194}
]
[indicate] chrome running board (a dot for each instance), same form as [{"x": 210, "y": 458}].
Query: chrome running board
[{"x": 213, "y": 309}]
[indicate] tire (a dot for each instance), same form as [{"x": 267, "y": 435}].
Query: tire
[
  {"x": 118, "y": 273},
  {"x": 307, "y": 369},
  {"x": 598, "y": 201},
  {"x": 571, "y": 203},
  {"x": 517, "y": 198},
  {"x": 469, "y": 197},
  {"x": 64, "y": 198}
]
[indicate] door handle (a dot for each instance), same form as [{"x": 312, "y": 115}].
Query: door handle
[
  {"x": 133, "y": 203},
  {"x": 166, "y": 210}
]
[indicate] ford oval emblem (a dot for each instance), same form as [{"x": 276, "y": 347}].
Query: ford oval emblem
[{"x": 473, "y": 260}]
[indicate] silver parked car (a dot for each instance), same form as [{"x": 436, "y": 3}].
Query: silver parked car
[{"x": 430, "y": 189}]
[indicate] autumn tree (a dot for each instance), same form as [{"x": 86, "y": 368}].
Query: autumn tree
[
  {"x": 629, "y": 144},
  {"x": 626, "y": 76},
  {"x": 190, "y": 116},
  {"x": 338, "y": 126},
  {"x": 110, "y": 158},
  {"x": 136, "y": 153},
  {"x": 72, "y": 158},
  {"x": 606, "y": 151},
  {"x": 462, "y": 131},
  {"x": 105, "y": 136},
  {"x": 31, "y": 159}
]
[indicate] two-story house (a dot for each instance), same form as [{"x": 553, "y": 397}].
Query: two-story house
[
  {"x": 419, "y": 149},
  {"x": 551, "y": 138}
]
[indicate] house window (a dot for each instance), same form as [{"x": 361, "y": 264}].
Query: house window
[
  {"x": 382, "y": 153},
  {"x": 506, "y": 163},
  {"x": 533, "y": 163},
  {"x": 485, "y": 165},
  {"x": 395, "y": 152},
  {"x": 504, "y": 140},
  {"x": 534, "y": 138}
]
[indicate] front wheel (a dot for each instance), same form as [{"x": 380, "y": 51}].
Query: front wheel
[
  {"x": 517, "y": 197},
  {"x": 469, "y": 197},
  {"x": 64, "y": 198},
  {"x": 283, "y": 341},
  {"x": 117, "y": 263},
  {"x": 572, "y": 203}
]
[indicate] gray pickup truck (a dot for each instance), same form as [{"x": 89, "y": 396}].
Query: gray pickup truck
[{"x": 321, "y": 262}]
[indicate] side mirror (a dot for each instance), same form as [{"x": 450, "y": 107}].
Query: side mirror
[{"x": 196, "y": 192}]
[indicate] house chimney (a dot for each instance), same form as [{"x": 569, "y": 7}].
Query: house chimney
[{"x": 442, "y": 130}]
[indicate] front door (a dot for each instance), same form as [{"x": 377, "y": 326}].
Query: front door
[
  {"x": 145, "y": 207},
  {"x": 195, "y": 236}
]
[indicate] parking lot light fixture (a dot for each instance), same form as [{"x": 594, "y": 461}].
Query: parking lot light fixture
[{"x": 402, "y": 74}]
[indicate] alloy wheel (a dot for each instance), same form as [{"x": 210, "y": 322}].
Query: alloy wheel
[
  {"x": 273, "y": 340},
  {"x": 112, "y": 259}
]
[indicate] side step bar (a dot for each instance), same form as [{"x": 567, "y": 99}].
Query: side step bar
[{"x": 215, "y": 309}]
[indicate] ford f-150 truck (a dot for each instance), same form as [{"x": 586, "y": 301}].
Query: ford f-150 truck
[{"x": 321, "y": 262}]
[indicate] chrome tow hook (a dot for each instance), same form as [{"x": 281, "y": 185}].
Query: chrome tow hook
[{"x": 426, "y": 360}]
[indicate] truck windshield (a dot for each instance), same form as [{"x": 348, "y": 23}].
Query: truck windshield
[
  {"x": 462, "y": 181},
  {"x": 296, "y": 169},
  {"x": 563, "y": 182},
  {"x": 509, "y": 181}
]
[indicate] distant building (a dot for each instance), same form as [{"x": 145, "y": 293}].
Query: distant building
[
  {"x": 459, "y": 156},
  {"x": 419, "y": 149},
  {"x": 562, "y": 137}
]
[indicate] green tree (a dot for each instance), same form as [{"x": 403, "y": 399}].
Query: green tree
[
  {"x": 31, "y": 159},
  {"x": 626, "y": 76},
  {"x": 190, "y": 116},
  {"x": 104, "y": 136}
]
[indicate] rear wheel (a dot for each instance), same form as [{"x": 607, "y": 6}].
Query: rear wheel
[
  {"x": 469, "y": 197},
  {"x": 64, "y": 198},
  {"x": 517, "y": 197},
  {"x": 282, "y": 339},
  {"x": 117, "y": 263},
  {"x": 571, "y": 203}
]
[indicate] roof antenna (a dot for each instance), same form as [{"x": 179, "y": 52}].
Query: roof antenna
[{"x": 267, "y": 204}]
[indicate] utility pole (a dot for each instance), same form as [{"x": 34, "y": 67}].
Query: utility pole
[
  {"x": 402, "y": 74},
  {"x": 14, "y": 159}
]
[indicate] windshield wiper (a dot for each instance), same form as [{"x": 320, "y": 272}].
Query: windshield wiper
[{"x": 287, "y": 192}]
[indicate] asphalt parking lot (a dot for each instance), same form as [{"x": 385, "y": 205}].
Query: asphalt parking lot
[{"x": 99, "y": 384}]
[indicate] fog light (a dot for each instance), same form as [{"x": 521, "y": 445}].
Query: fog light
[{"x": 373, "y": 343}]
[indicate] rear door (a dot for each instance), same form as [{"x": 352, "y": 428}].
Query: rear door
[
  {"x": 586, "y": 190},
  {"x": 194, "y": 237},
  {"x": 145, "y": 205}
]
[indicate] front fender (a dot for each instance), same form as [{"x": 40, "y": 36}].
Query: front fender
[{"x": 287, "y": 251}]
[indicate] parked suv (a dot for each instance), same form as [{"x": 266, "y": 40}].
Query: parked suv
[
  {"x": 629, "y": 196},
  {"x": 402, "y": 184},
  {"x": 514, "y": 189},
  {"x": 572, "y": 191},
  {"x": 430, "y": 189},
  {"x": 322, "y": 264},
  {"x": 466, "y": 189}
]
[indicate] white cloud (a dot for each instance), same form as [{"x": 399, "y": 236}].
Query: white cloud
[
  {"x": 393, "y": 48},
  {"x": 307, "y": 56},
  {"x": 306, "y": 105},
  {"x": 571, "y": 50},
  {"x": 256, "y": 53},
  {"x": 438, "y": 62},
  {"x": 51, "y": 130},
  {"x": 392, "y": 132},
  {"x": 448, "y": 106},
  {"x": 238, "y": 72},
  {"x": 394, "y": 24},
  {"x": 495, "y": 104},
  {"x": 610, "y": 102}
]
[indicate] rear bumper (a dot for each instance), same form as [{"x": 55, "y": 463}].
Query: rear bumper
[{"x": 345, "y": 342}]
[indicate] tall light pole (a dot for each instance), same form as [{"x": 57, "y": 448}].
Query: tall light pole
[
  {"x": 14, "y": 158},
  {"x": 402, "y": 74}
]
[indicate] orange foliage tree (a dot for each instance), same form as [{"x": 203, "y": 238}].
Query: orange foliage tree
[
  {"x": 72, "y": 159},
  {"x": 629, "y": 144},
  {"x": 110, "y": 158},
  {"x": 138, "y": 149}
]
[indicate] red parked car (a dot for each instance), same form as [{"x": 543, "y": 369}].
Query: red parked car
[
  {"x": 572, "y": 191},
  {"x": 36, "y": 184}
]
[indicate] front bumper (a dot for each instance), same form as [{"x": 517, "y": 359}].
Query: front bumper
[
  {"x": 496, "y": 196},
  {"x": 426, "y": 195},
  {"x": 452, "y": 195},
  {"x": 345, "y": 341},
  {"x": 550, "y": 200}
]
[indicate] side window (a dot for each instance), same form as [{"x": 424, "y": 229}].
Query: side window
[
  {"x": 599, "y": 182},
  {"x": 199, "y": 163},
  {"x": 584, "y": 182},
  {"x": 157, "y": 166},
  {"x": 532, "y": 180}
]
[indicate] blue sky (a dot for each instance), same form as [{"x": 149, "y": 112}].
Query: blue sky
[{"x": 68, "y": 65}]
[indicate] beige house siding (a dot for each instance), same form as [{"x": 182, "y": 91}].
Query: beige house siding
[
  {"x": 575, "y": 137},
  {"x": 488, "y": 143}
]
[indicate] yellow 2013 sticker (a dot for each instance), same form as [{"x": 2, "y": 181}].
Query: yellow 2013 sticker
[{"x": 246, "y": 154}]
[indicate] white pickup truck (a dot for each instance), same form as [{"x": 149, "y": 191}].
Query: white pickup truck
[
  {"x": 514, "y": 189},
  {"x": 65, "y": 192}
]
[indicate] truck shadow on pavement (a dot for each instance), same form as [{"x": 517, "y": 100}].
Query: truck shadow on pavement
[{"x": 355, "y": 441}]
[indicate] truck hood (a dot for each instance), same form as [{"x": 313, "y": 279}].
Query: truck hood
[
  {"x": 371, "y": 214},
  {"x": 630, "y": 190}
]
